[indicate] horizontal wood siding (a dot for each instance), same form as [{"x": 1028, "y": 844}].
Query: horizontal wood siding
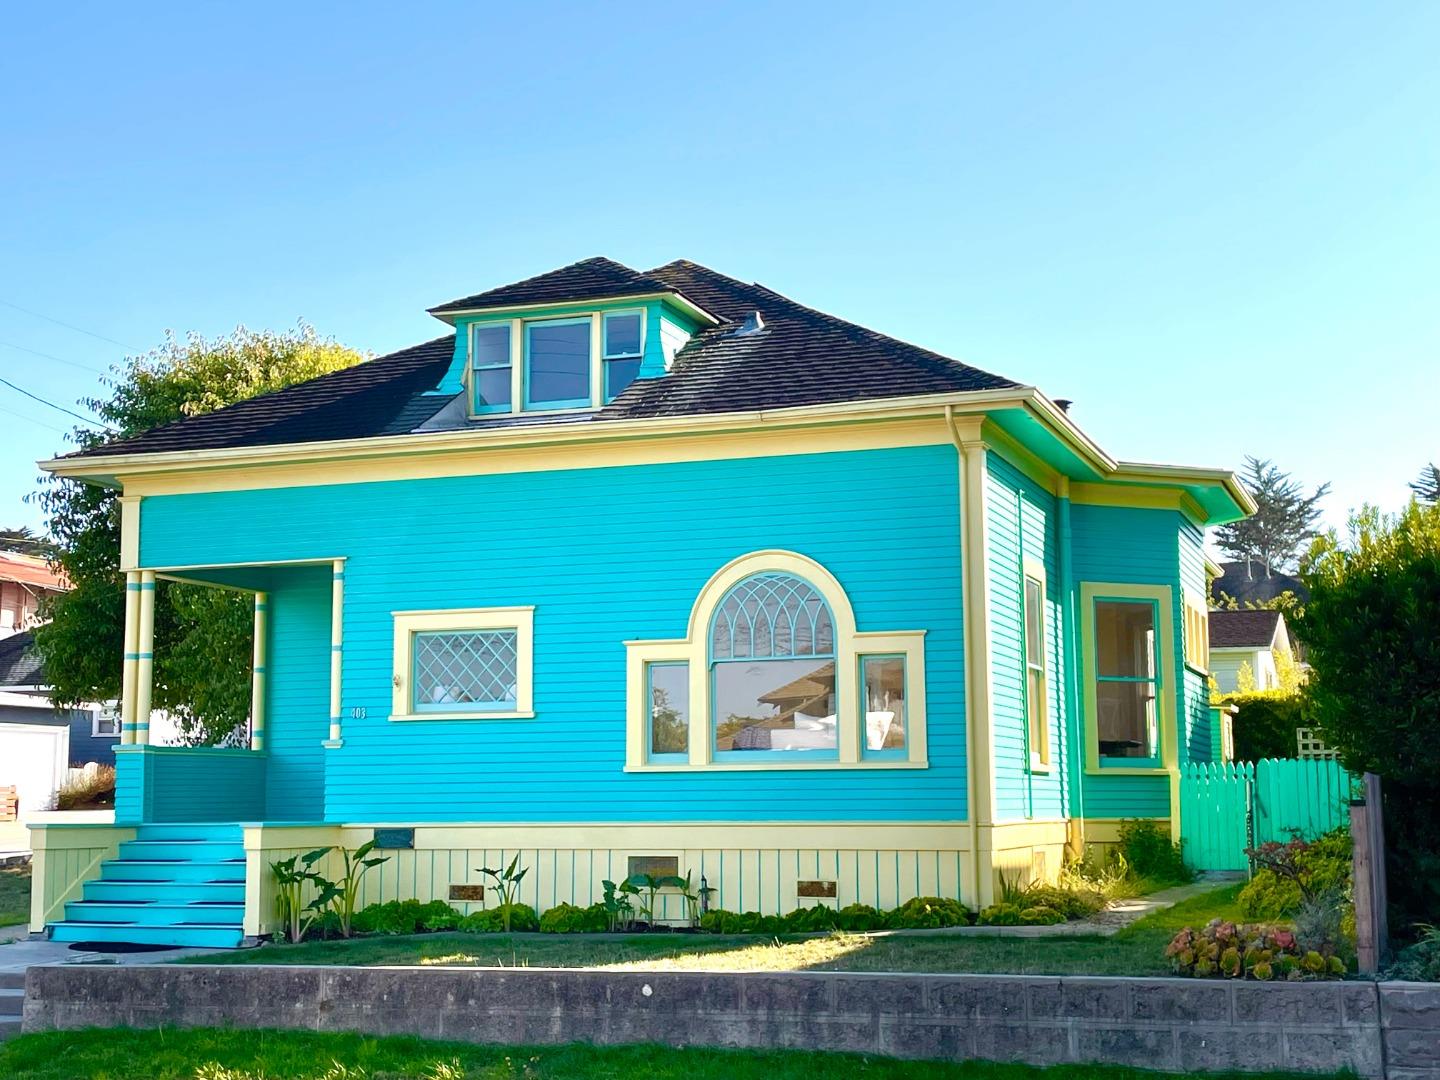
[
  {"x": 1195, "y": 687},
  {"x": 298, "y": 688},
  {"x": 604, "y": 555},
  {"x": 1137, "y": 547},
  {"x": 156, "y": 784},
  {"x": 1022, "y": 524}
]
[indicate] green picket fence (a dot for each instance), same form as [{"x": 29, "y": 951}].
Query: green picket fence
[{"x": 1226, "y": 807}]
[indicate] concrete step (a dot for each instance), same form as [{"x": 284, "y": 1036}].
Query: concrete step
[
  {"x": 12, "y": 980},
  {"x": 165, "y": 892},
  {"x": 153, "y": 914},
  {"x": 135, "y": 870},
  {"x": 12, "y": 1002},
  {"x": 197, "y": 935},
  {"x": 9, "y": 1027}
]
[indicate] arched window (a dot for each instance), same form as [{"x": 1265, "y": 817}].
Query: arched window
[
  {"x": 772, "y": 674},
  {"x": 772, "y": 668}
]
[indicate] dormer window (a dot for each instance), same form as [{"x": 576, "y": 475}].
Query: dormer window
[
  {"x": 557, "y": 364},
  {"x": 491, "y": 359},
  {"x": 623, "y": 333}
]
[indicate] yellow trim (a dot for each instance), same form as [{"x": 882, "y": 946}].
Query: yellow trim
[
  {"x": 128, "y": 665},
  {"x": 1134, "y": 496},
  {"x": 409, "y": 623},
  {"x": 145, "y": 662},
  {"x": 1107, "y": 830},
  {"x": 64, "y": 857},
  {"x": 1127, "y": 471},
  {"x": 1197, "y": 631},
  {"x": 1168, "y": 691},
  {"x": 129, "y": 532},
  {"x": 850, "y": 644},
  {"x": 537, "y": 310},
  {"x": 1013, "y": 453},
  {"x": 1034, "y": 570},
  {"x": 337, "y": 645}
]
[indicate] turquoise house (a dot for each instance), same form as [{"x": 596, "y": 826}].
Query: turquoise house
[{"x": 649, "y": 571}]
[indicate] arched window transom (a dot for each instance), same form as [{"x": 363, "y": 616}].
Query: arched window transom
[{"x": 772, "y": 616}]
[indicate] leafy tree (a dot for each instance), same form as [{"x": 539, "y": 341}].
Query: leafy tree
[
  {"x": 1284, "y": 519},
  {"x": 1372, "y": 627},
  {"x": 1427, "y": 485},
  {"x": 202, "y": 636},
  {"x": 668, "y": 734}
]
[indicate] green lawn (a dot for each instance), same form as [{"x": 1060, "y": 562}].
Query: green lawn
[
  {"x": 14, "y": 895},
  {"x": 1136, "y": 950},
  {"x": 209, "y": 1054}
]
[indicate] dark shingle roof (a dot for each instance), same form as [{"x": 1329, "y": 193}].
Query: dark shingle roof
[
  {"x": 800, "y": 357},
  {"x": 589, "y": 279},
  {"x": 1242, "y": 629},
  {"x": 19, "y": 662}
]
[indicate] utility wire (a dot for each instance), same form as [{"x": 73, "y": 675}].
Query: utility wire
[
  {"x": 43, "y": 401},
  {"x": 37, "y": 423},
  {"x": 69, "y": 326},
  {"x": 51, "y": 356}
]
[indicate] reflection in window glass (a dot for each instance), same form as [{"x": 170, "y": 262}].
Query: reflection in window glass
[
  {"x": 558, "y": 363},
  {"x": 490, "y": 358},
  {"x": 775, "y": 705},
  {"x": 882, "y": 685},
  {"x": 1126, "y": 683},
  {"x": 469, "y": 670},
  {"x": 618, "y": 375},
  {"x": 669, "y": 694},
  {"x": 622, "y": 334},
  {"x": 1036, "y": 700}
]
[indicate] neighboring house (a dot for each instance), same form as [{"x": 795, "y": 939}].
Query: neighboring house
[
  {"x": 24, "y": 581},
  {"x": 655, "y": 570},
  {"x": 1247, "y": 583},
  {"x": 94, "y": 729},
  {"x": 1257, "y": 639}
]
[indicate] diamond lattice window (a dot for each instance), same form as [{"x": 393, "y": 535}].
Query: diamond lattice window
[{"x": 466, "y": 668}]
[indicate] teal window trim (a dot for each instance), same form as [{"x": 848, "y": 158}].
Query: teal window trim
[
  {"x": 478, "y": 707},
  {"x": 531, "y": 405},
  {"x": 679, "y": 758},
  {"x": 1153, "y": 761},
  {"x": 812, "y": 620},
  {"x": 899, "y": 753},
  {"x": 477, "y": 408},
  {"x": 605, "y": 353}
]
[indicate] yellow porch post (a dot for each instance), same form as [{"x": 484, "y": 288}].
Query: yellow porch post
[
  {"x": 337, "y": 647},
  {"x": 128, "y": 664},
  {"x": 258, "y": 674},
  {"x": 144, "y": 656}
]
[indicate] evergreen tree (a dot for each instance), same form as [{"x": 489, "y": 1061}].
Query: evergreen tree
[
  {"x": 1427, "y": 485},
  {"x": 1284, "y": 519}
]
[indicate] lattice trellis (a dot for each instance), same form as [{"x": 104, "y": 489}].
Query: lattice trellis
[
  {"x": 772, "y": 616},
  {"x": 473, "y": 667},
  {"x": 1310, "y": 745}
]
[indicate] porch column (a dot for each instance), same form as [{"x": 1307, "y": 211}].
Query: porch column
[
  {"x": 128, "y": 659},
  {"x": 257, "y": 677},
  {"x": 337, "y": 647},
  {"x": 144, "y": 656}
]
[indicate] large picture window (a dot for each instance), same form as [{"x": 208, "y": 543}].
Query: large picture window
[
  {"x": 775, "y": 674},
  {"x": 1129, "y": 676},
  {"x": 557, "y": 364}
]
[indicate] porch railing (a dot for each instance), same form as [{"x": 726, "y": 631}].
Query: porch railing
[{"x": 188, "y": 783}]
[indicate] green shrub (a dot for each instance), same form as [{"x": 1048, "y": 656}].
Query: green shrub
[
  {"x": 720, "y": 921},
  {"x": 1040, "y": 915},
  {"x": 1072, "y": 902},
  {"x": 811, "y": 920},
  {"x": 492, "y": 920},
  {"x": 404, "y": 917},
  {"x": 1419, "y": 962},
  {"x": 569, "y": 919},
  {"x": 858, "y": 918},
  {"x": 928, "y": 913},
  {"x": 999, "y": 915},
  {"x": 1322, "y": 865},
  {"x": 1264, "y": 726},
  {"x": 1150, "y": 853},
  {"x": 1223, "y": 950}
]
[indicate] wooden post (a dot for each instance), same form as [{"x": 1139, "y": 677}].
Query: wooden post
[{"x": 1367, "y": 831}]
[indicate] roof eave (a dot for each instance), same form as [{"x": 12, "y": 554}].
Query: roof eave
[{"x": 447, "y": 314}]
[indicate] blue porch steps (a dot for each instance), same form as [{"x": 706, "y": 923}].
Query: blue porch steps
[{"x": 171, "y": 885}]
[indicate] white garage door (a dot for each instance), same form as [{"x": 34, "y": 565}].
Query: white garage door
[{"x": 34, "y": 759}]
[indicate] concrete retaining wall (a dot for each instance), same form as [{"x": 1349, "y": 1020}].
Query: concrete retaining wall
[{"x": 1176, "y": 1024}]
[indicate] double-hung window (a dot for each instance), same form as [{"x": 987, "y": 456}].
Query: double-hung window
[
  {"x": 1037, "y": 703},
  {"x": 623, "y": 334},
  {"x": 557, "y": 363},
  {"x": 491, "y": 366},
  {"x": 463, "y": 664},
  {"x": 1127, "y": 679}
]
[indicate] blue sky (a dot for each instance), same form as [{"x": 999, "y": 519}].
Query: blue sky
[{"x": 1216, "y": 227}]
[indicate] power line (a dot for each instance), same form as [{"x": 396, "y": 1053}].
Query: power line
[
  {"x": 51, "y": 356},
  {"x": 69, "y": 326},
  {"x": 32, "y": 420},
  {"x": 44, "y": 401}
]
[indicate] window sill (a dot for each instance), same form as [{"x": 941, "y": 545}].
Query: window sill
[
  {"x": 1204, "y": 673},
  {"x": 405, "y": 717},
  {"x": 1039, "y": 768},
  {"x": 777, "y": 766},
  {"x": 1127, "y": 770}
]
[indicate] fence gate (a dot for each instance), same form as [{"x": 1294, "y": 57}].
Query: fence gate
[{"x": 1226, "y": 807}]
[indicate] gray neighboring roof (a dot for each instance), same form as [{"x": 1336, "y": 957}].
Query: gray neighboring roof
[
  {"x": 1248, "y": 583},
  {"x": 19, "y": 662},
  {"x": 1243, "y": 629},
  {"x": 800, "y": 357}
]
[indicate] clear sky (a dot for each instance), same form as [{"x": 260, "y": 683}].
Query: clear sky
[{"x": 1215, "y": 226}]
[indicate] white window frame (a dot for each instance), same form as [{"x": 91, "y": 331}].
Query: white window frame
[
  {"x": 409, "y": 623},
  {"x": 606, "y": 356},
  {"x": 101, "y": 714},
  {"x": 1034, "y": 570},
  {"x": 851, "y": 645}
]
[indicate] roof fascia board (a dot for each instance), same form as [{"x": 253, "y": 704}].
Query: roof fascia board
[{"x": 676, "y": 298}]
